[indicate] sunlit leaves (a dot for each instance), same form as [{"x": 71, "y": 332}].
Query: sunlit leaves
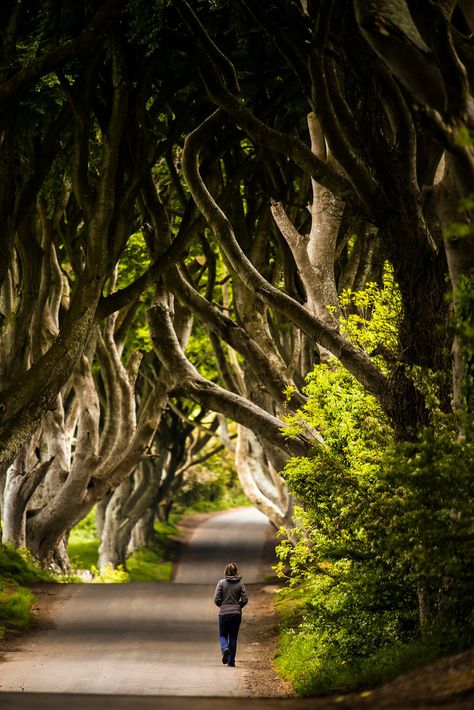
[
  {"x": 132, "y": 265},
  {"x": 385, "y": 531},
  {"x": 371, "y": 317},
  {"x": 133, "y": 261}
]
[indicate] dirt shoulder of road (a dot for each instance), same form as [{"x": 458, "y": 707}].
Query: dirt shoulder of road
[
  {"x": 47, "y": 596},
  {"x": 258, "y": 641}
]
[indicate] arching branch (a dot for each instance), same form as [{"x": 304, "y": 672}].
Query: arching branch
[
  {"x": 92, "y": 33},
  {"x": 188, "y": 382},
  {"x": 354, "y": 359}
]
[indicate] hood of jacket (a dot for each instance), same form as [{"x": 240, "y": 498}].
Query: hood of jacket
[{"x": 234, "y": 578}]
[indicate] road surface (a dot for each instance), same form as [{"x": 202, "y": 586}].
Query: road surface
[
  {"x": 234, "y": 536},
  {"x": 154, "y": 646},
  {"x": 145, "y": 639}
]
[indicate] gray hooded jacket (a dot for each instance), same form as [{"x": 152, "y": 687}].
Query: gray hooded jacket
[{"x": 230, "y": 595}]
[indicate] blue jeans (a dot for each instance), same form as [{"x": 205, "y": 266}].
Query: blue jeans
[{"x": 229, "y": 625}]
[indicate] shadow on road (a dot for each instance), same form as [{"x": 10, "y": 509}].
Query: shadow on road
[
  {"x": 51, "y": 701},
  {"x": 154, "y": 646}
]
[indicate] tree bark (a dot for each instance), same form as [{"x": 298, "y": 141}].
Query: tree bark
[
  {"x": 20, "y": 485},
  {"x": 126, "y": 507},
  {"x": 208, "y": 394},
  {"x": 262, "y": 486},
  {"x": 355, "y": 360},
  {"x": 26, "y": 400}
]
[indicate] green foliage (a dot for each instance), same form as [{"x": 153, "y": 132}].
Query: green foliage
[
  {"x": 382, "y": 549},
  {"x": 15, "y": 607},
  {"x": 350, "y": 420},
  {"x": 133, "y": 263},
  {"x": 225, "y": 502},
  {"x": 110, "y": 575},
  {"x": 83, "y": 544},
  {"x": 18, "y": 565},
  {"x": 320, "y": 648},
  {"x": 463, "y": 227},
  {"x": 200, "y": 353},
  {"x": 145, "y": 21},
  {"x": 458, "y": 230},
  {"x": 199, "y": 348},
  {"x": 83, "y": 554},
  {"x": 371, "y": 317},
  {"x": 153, "y": 564},
  {"x": 16, "y": 569},
  {"x": 387, "y": 557},
  {"x": 147, "y": 566},
  {"x": 464, "y": 137},
  {"x": 426, "y": 525},
  {"x": 465, "y": 333},
  {"x": 210, "y": 487}
]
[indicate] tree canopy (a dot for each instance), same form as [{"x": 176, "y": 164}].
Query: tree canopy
[{"x": 242, "y": 227}]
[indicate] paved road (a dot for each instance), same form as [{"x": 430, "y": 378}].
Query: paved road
[
  {"x": 144, "y": 639},
  {"x": 235, "y": 536},
  {"x": 153, "y": 647}
]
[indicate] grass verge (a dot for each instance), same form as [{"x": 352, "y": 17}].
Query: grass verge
[
  {"x": 153, "y": 564},
  {"x": 83, "y": 545},
  {"x": 314, "y": 664},
  {"x": 16, "y": 601}
]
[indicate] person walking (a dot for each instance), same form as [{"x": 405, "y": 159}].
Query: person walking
[{"x": 231, "y": 597}]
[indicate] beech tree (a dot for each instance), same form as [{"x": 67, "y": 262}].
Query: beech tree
[
  {"x": 385, "y": 142},
  {"x": 269, "y": 162},
  {"x": 31, "y": 391}
]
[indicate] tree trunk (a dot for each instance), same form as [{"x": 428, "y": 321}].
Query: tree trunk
[
  {"x": 459, "y": 249},
  {"x": 14, "y": 506},
  {"x": 259, "y": 482},
  {"x": 129, "y": 503},
  {"x": 113, "y": 543},
  {"x": 143, "y": 531},
  {"x": 100, "y": 509},
  {"x": 20, "y": 485},
  {"x": 60, "y": 557}
]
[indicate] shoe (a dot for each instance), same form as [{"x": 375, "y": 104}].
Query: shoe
[
  {"x": 231, "y": 665},
  {"x": 225, "y": 655}
]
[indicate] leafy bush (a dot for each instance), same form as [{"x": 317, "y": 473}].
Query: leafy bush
[
  {"x": 322, "y": 658},
  {"x": 17, "y": 568},
  {"x": 209, "y": 488},
  {"x": 371, "y": 317},
  {"x": 109, "y": 575},
  {"x": 382, "y": 549},
  {"x": 425, "y": 528},
  {"x": 386, "y": 551},
  {"x": 465, "y": 331}
]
